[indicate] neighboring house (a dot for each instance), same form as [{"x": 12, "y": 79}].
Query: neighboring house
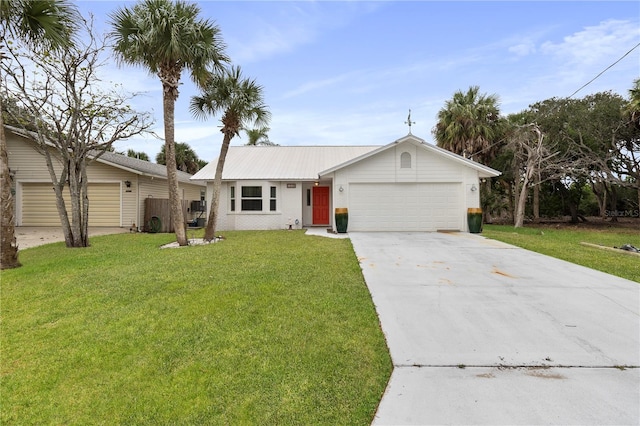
[
  {"x": 407, "y": 185},
  {"x": 117, "y": 188}
]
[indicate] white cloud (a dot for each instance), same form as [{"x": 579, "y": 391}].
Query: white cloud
[
  {"x": 595, "y": 44},
  {"x": 282, "y": 27},
  {"x": 269, "y": 40},
  {"x": 320, "y": 84},
  {"x": 523, "y": 49}
]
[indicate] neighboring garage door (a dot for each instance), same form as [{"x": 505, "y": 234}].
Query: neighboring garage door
[
  {"x": 405, "y": 207},
  {"x": 39, "y": 204}
]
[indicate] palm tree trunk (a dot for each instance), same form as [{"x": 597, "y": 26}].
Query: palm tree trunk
[
  {"x": 210, "y": 230},
  {"x": 175, "y": 203},
  {"x": 8, "y": 245}
]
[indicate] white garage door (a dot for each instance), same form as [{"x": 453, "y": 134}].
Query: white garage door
[
  {"x": 405, "y": 207},
  {"x": 39, "y": 204}
]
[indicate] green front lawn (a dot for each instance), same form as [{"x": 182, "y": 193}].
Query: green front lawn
[
  {"x": 565, "y": 244},
  {"x": 270, "y": 327}
]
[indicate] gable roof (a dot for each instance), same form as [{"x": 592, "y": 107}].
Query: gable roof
[
  {"x": 483, "y": 171},
  {"x": 141, "y": 167},
  {"x": 280, "y": 162},
  {"x": 311, "y": 162},
  {"x": 133, "y": 165}
]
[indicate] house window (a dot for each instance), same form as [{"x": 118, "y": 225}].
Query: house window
[
  {"x": 308, "y": 197},
  {"x": 405, "y": 160},
  {"x": 251, "y": 198},
  {"x": 272, "y": 201},
  {"x": 232, "y": 193}
]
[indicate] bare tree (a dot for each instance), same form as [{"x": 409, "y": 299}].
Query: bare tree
[
  {"x": 46, "y": 24},
  {"x": 74, "y": 118},
  {"x": 532, "y": 158}
]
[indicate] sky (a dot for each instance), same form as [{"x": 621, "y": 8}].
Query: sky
[{"x": 348, "y": 72}]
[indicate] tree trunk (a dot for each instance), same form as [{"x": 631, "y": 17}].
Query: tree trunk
[
  {"x": 522, "y": 200},
  {"x": 210, "y": 230},
  {"x": 8, "y": 245},
  {"x": 84, "y": 191},
  {"x": 175, "y": 203},
  {"x": 536, "y": 201},
  {"x": 613, "y": 204},
  {"x": 76, "y": 198},
  {"x": 599, "y": 190},
  {"x": 512, "y": 206}
]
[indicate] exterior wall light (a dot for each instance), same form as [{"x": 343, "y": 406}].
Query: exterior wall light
[
  {"x": 341, "y": 188},
  {"x": 127, "y": 183},
  {"x": 473, "y": 187}
]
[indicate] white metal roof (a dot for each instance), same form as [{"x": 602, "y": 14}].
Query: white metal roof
[{"x": 281, "y": 162}]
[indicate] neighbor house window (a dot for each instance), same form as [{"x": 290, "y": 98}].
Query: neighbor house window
[
  {"x": 405, "y": 160},
  {"x": 251, "y": 198},
  {"x": 232, "y": 193},
  {"x": 272, "y": 201}
]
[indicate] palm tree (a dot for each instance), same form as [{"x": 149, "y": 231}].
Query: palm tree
[
  {"x": 469, "y": 125},
  {"x": 41, "y": 24},
  {"x": 140, "y": 155},
  {"x": 167, "y": 37},
  {"x": 186, "y": 158},
  {"x": 633, "y": 108},
  {"x": 240, "y": 101},
  {"x": 259, "y": 136}
]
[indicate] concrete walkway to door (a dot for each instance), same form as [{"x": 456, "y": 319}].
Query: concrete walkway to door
[{"x": 481, "y": 332}]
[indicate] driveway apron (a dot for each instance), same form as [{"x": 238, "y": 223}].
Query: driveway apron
[{"x": 482, "y": 332}]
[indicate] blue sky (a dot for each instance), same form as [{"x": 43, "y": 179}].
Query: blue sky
[{"x": 347, "y": 73}]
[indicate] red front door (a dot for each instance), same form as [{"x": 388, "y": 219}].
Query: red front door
[{"x": 320, "y": 205}]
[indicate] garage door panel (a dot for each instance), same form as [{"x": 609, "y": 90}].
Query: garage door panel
[
  {"x": 39, "y": 204},
  {"x": 405, "y": 207}
]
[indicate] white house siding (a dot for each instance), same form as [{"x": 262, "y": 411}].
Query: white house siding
[
  {"x": 379, "y": 194},
  {"x": 291, "y": 205},
  {"x": 288, "y": 207}
]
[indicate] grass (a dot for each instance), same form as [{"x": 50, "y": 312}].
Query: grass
[
  {"x": 565, "y": 244},
  {"x": 271, "y": 327}
]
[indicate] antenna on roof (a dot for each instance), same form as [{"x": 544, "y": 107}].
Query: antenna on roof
[{"x": 409, "y": 122}]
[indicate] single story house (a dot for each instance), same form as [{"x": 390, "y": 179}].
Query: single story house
[
  {"x": 117, "y": 186},
  {"x": 407, "y": 185}
]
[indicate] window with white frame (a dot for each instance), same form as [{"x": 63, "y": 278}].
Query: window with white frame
[
  {"x": 272, "y": 200},
  {"x": 232, "y": 198}
]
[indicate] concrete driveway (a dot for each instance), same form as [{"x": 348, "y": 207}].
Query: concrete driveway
[
  {"x": 481, "y": 332},
  {"x": 33, "y": 236}
]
